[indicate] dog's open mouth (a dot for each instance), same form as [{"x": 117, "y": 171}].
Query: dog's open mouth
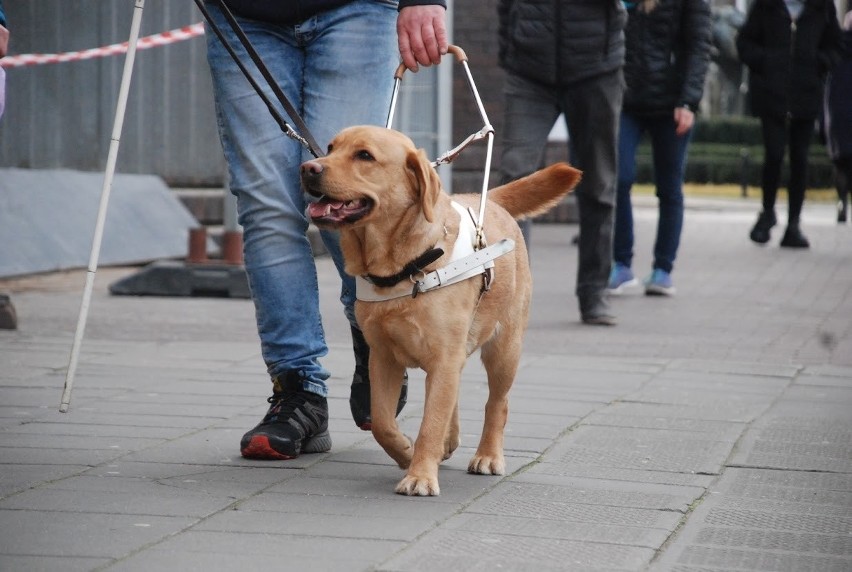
[{"x": 332, "y": 212}]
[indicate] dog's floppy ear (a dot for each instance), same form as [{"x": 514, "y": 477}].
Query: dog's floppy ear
[{"x": 425, "y": 181}]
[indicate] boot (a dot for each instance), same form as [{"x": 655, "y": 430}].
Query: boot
[
  {"x": 765, "y": 221},
  {"x": 793, "y": 237},
  {"x": 359, "y": 396}
]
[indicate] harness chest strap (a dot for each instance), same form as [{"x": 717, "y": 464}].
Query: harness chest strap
[
  {"x": 464, "y": 268},
  {"x": 465, "y": 262}
]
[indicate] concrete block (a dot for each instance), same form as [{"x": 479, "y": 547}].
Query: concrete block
[{"x": 48, "y": 218}]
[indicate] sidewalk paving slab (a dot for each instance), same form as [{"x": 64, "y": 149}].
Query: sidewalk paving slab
[{"x": 708, "y": 431}]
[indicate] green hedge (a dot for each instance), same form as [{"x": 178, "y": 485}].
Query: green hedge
[
  {"x": 729, "y": 150},
  {"x": 731, "y": 130}
]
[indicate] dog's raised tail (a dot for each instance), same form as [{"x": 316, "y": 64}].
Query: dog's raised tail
[{"x": 537, "y": 193}]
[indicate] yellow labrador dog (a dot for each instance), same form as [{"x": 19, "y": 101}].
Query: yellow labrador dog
[{"x": 399, "y": 231}]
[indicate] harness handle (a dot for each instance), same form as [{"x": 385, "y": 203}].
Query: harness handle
[
  {"x": 487, "y": 132},
  {"x": 451, "y": 49}
]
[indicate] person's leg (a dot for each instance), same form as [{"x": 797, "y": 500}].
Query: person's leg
[
  {"x": 529, "y": 115},
  {"x": 801, "y": 132},
  {"x": 263, "y": 165},
  {"x": 774, "y": 131},
  {"x": 629, "y": 135},
  {"x": 346, "y": 84},
  {"x": 592, "y": 108},
  {"x": 801, "y": 135},
  {"x": 843, "y": 171},
  {"x": 670, "y": 152}
]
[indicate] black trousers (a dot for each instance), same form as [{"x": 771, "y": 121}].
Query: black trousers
[
  {"x": 778, "y": 133},
  {"x": 843, "y": 172},
  {"x": 592, "y": 110}
]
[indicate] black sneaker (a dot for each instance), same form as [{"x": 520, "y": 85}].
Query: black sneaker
[
  {"x": 765, "y": 222},
  {"x": 297, "y": 422},
  {"x": 359, "y": 396}
]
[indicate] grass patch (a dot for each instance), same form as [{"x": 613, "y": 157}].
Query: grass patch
[{"x": 736, "y": 192}]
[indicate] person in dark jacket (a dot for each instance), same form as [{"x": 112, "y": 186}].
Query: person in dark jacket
[
  {"x": 838, "y": 121},
  {"x": 335, "y": 61},
  {"x": 566, "y": 56},
  {"x": 789, "y": 46},
  {"x": 668, "y": 53}
]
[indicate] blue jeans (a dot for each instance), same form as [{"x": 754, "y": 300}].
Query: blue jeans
[
  {"x": 337, "y": 68},
  {"x": 669, "y": 153}
]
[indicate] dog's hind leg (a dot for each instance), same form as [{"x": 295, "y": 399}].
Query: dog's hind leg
[{"x": 501, "y": 364}]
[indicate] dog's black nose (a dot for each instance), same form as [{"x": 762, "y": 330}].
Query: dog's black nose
[{"x": 311, "y": 168}]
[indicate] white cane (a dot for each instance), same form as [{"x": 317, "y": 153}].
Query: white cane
[{"x": 102, "y": 209}]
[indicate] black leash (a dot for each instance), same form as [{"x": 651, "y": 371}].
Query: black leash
[{"x": 305, "y": 139}]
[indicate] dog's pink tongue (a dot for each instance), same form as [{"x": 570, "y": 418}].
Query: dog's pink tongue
[{"x": 323, "y": 208}]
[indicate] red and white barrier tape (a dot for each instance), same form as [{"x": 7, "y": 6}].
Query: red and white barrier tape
[{"x": 161, "y": 39}]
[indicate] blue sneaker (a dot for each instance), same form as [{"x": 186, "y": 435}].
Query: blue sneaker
[
  {"x": 620, "y": 278},
  {"x": 659, "y": 283}
]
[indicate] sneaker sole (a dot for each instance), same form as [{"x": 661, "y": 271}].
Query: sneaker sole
[
  {"x": 318, "y": 443},
  {"x": 260, "y": 448},
  {"x": 600, "y": 320},
  {"x": 659, "y": 291},
  {"x": 789, "y": 244},
  {"x": 622, "y": 287}
]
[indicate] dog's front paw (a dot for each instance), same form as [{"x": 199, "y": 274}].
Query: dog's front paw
[
  {"x": 487, "y": 465},
  {"x": 418, "y": 486}
]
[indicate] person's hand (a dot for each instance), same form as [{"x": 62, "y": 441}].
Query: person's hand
[
  {"x": 4, "y": 41},
  {"x": 422, "y": 35},
  {"x": 684, "y": 119}
]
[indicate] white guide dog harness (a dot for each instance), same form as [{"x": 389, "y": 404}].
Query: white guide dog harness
[{"x": 465, "y": 262}]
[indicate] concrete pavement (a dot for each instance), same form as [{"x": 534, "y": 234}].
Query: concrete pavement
[{"x": 708, "y": 431}]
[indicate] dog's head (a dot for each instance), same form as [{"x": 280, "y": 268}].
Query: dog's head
[{"x": 369, "y": 173}]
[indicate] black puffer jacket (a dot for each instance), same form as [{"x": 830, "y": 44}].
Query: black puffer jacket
[
  {"x": 838, "y": 104},
  {"x": 789, "y": 60},
  {"x": 559, "y": 42},
  {"x": 668, "y": 53}
]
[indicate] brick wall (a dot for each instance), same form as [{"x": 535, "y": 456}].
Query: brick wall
[{"x": 475, "y": 31}]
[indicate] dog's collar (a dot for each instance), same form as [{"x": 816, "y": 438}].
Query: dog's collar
[
  {"x": 465, "y": 262},
  {"x": 411, "y": 269}
]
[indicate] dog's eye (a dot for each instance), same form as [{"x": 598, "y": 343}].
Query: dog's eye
[
  {"x": 364, "y": 155},
  {"x": 330, "y": 147}
]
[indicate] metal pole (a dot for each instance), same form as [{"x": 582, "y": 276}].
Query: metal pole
[{"x": 102, "y": 209}]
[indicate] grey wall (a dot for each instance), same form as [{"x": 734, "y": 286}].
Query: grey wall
[{"x": 61, "y": 115}]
